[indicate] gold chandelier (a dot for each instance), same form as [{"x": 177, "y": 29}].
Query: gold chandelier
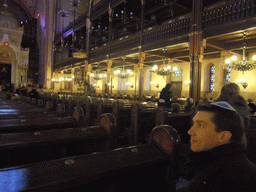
[{"x": 242, "y": 65}]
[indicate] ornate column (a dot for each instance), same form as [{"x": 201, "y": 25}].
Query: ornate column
[
  {"x": 110, "y": 18},
  {"x": 88, "y": 27},
  {"x": 109, "y": 76},
  {"x": 61, "y": 75},
  {"x": 72, "y": 81},
  {"x": 140, "y": 75},
  {"x": 86, "y": 79},
  {"x": 196, "y": 50}
]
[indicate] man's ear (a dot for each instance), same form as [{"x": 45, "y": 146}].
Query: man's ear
[{"x": 225, "y": 137}]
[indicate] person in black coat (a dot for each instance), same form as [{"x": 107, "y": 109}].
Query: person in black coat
[
  {"x": 165, "y": 98},
  {"x": 216, "y": 160},
  {"x": 252, "y": 106}
]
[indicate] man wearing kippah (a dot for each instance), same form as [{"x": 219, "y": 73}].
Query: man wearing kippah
[{"x": 217, "y": 161}]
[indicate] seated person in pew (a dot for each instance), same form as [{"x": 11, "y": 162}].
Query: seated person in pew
[
  {"x": 217, "y": 160},
  {"x": 189, "y": 106},
  {"x": 176, "y": 108}
]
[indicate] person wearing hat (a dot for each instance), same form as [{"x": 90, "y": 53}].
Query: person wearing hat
[
  {"x": 165, "y": 98},
  {"x": 230, "y": 93},
  {"x": 217, "y": 161},
  {"x": 189, "y": 105}
]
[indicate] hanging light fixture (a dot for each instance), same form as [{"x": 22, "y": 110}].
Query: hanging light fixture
[
  {"x": 98, "y": 76},
  {"x": 242, "y": 82},
  {"x": 75, "y": 3},
  {"x": 123, "y": 74},
  {"x": 63, "y": 13},
  {"x": 242, "y": 65},
  {"x": 165, "y": 70}
]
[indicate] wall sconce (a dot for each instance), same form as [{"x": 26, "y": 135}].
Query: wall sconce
[
  {"x": 242, "y": 82},
  {"x": 154, "y": 83},
  {"x": 187, "y": 83},
  {"x": 109, "y": 84},
  {"x": 128, "y": 84}
]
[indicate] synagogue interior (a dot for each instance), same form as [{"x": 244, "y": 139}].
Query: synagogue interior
[{"x": 80, "y": 86}]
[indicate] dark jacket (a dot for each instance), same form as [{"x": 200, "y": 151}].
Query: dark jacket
[
  {"x": 222, "y": 169},
  {"x": 165, "y": 94}
]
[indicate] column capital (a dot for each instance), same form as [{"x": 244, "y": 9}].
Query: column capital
[{"x": 109, "y": 63}]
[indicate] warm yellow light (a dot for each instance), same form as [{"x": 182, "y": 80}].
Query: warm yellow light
[
  {"x": 233, "y": 58},
  {"x": 175, "y": 68},
  {"x": 240, "y": 80},
  {"x": 228, "y": 61},
  {"x": 155, "y": 67},
  {"x": 254, "y": 57},
  {"x": 117, "y": 71}
]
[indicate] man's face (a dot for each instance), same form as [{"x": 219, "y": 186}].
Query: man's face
[{"x": 202, "y": 134}]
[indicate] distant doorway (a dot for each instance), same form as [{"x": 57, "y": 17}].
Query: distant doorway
[
  {"x": 5, "y": 73},
  {"x": 176, "y": 88}
]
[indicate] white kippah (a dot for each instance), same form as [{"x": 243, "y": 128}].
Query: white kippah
[{"x": 224, "y": 105}]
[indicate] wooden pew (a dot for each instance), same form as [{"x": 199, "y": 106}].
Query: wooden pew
[
  {"x": 143, "y": 120},
  {"x": 122, "y": 110},
  {"x": 136, "y": 168},
  {"x": 17, "y": 109},
  {"x": 36, "y": 124},
  {"x": 92, "y": 110},
  {"x": 30, "y": 147},
  {"x": 181, "y": 121}
]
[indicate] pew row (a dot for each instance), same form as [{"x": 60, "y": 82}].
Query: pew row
[
  {"x": 30, "y": 147},
  {"x": 135, "y": 168}
]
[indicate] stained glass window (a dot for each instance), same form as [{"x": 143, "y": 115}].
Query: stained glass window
[
  {"x": 212, "y": 78},
  {"x": 228, "y": 73}
]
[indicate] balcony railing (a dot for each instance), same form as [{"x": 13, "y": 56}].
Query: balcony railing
[
  {"x": 211, "y": 17},
  {"x": 242, "y": 9}
]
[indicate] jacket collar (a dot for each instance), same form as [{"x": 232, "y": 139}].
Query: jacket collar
[{"x": 226, "y": 150}]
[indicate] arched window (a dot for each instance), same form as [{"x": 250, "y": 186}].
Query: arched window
[
  {"x": 212, "y": 79},
  {"x": 227, "y": 74}
]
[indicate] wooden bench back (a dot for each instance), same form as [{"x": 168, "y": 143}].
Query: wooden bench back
[{"x": 145, "y": 166}]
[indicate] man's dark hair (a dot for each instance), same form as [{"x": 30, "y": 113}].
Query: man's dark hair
[{"x": 225, "y": 120}]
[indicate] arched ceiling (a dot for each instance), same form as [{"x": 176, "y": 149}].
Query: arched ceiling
[{"x": 22, "y": 9}]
